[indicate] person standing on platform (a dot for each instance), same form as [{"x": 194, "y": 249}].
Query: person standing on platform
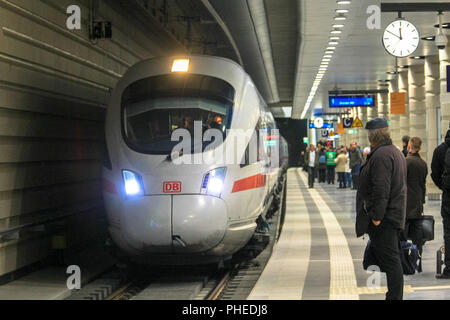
[
  {"x": 348, "y": 171},
  {"x": 405, "y": 141},
  {"x": 331, "y": 165},
  {"x": 417, "y": 172},
  {"x": 440, "y": 173},
  {"x": 355, "y": 164},
  {"x": 322, "y": 165},
  {"x": 341, "y": 162},
  {"x": 312, "y": 161},
  {"x": 381, "y": 204}
]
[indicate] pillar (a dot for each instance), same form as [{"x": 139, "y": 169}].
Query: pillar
[
  {"x": 394, "y": 119},
  {"x": 403, "y": 86},
  {"x": 417, "y": 105},
  {"x": 432, "y": 102}
]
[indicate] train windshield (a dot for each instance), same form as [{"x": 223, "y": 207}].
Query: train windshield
[{"x": 153, "y": 108}]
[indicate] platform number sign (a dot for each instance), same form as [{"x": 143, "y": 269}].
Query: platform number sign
[
  {"x": 347, "y": 122},
  {"x": 172, "y": 187}
]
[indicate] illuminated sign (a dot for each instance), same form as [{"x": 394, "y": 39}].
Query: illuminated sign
[{"x": 351, "y": 101}]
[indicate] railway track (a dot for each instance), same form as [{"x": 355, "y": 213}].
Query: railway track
[{"x": 184, "y": 283}]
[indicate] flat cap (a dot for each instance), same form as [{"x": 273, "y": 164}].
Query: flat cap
[{"x": 377, "y": 123}]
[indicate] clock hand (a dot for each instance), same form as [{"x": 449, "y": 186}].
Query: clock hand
[
  {"x": 394, "y": 34},
  {"x": 401, "y": 34}
]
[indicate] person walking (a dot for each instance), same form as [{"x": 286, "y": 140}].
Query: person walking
[
  {"x": 417, "y": 172},
  {"x": 312, "y": 161},
  {"x": 341, "y": 162},
  {"x": 381, "y": 204},
  {"x": 331, "y": 166},
  {"x": 355, "y": 163},
  {"x": 440, "y": 173}
]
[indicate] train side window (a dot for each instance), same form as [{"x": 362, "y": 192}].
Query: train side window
[{"x": 253, "y": 144}]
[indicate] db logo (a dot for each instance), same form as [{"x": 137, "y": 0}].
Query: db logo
[{"x": 172, "y": 187}]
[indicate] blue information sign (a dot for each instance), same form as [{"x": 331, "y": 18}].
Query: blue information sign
[
  {"x": 354, "y": 101},
  {"x": 326, "y": 125}
]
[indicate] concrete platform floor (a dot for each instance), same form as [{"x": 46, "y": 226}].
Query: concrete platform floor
[{"x": 318, "y": 256}]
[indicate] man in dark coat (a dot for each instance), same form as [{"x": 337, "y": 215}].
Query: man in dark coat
[
  {"x": 312, "y": 162},
  {"x": 437, "y": 173},
  {"x": 417, "y": 177},
  {"x": 381, "y": 204}
]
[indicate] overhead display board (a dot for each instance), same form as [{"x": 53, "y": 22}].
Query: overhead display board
[{"x": 351, "y": 101}]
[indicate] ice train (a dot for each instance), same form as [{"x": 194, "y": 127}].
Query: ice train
[{"x": 165, "y": 213}]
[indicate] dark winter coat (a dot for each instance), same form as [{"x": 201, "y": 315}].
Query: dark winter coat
[
  {"x": 438, "y": 162},
  {"x": 382, "y": 189},
  {"x": 355, "y": 157},
  {"x": 417, "y": 177},
  {"x": 316, "y": 159}
]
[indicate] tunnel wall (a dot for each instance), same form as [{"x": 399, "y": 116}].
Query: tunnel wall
[{"x": 54, "y": 89}]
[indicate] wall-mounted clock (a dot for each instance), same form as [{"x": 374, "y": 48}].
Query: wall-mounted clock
[{"x": 401, "y": 38}]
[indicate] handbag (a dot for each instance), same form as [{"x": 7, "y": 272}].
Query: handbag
[
  {"x": 410, "y": 257},
  {"x": 427, "y": 224},
  {"x": 369, "y": 257}
]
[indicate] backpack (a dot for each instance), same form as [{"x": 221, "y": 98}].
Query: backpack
[
  {"x": 446, "y": 174},
  {"x": 323, "y": 159},
  {"x": 410, "y": 257}
]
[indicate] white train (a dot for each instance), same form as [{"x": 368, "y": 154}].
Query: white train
[{"x": 166, "y": 213}]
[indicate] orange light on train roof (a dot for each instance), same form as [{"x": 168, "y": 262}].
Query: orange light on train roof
[{"x": 180, "y": 65}]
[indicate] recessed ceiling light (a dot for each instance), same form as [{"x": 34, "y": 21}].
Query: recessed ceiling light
[
  {"x": 341, "y": 10},
  {"x": 331, "y": 48},
  {"x": 342, "y": 2},
  {"x": 337, "y": 26},
  {"x": 329, "y": 52},
  {"x": 417, "y": 57},
  {"x": 328, "y": 56},
  {"x": 429, "y": 38},
  {"x": 403, "y": 67},
  {"x": 445, "y": 25},
  {"x": 340, "y": 17},
  {"x": 326, "y": 60},
  {"x": 335, "y": 38},
  {"x": 390, "y": 72},
  {"x": 335, "y": 31},
  {"x": 333, "y": 43}
]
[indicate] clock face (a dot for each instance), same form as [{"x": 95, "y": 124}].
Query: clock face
[{"x": 401, "y": 38}]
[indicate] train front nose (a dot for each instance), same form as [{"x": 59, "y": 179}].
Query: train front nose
[{"x": 174, "y": 223}]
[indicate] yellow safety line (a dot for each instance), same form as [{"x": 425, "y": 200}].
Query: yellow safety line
[{"x": 343, "y": 285}]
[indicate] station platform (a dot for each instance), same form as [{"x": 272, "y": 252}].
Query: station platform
[{"x": 318, "y": 256}]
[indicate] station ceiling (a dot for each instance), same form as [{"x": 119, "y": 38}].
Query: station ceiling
[
  {"x": 299, "y": 33},
  {"x": 280, "y": 43}
]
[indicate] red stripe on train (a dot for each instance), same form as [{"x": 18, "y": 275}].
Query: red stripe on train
[{"x": 253, "y": 182}]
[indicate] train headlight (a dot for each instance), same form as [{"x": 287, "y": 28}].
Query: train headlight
[
  {"x": 133, "y": 183},
  {"x": 213, "y": 182},
  {"x": 180, "y": 65}
]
